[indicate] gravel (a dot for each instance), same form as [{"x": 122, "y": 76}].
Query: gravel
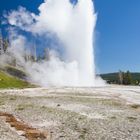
[{"x": 103, "y": 113}]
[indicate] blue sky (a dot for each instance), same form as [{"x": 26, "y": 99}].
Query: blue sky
[
  {"x": 117, "y": 32},
  {"x": 118, "y": 35}
]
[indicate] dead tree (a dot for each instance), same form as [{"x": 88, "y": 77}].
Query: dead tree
[{"x": 1, "y": 45}]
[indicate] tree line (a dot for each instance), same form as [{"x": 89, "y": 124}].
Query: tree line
[
  {"x": 125, "y": 78},
  {"x": 30, "y": 53},
  {"x": 122, "y": 78}
]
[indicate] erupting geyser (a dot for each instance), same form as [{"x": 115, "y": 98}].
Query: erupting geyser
[{"x": 73, "y": 25}]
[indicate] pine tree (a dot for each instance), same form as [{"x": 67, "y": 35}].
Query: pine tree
[{"x": 127, "y": 79}]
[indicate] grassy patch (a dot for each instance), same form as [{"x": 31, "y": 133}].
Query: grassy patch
[
  {"x": 21, "y": 107},
  {"x": 7, "y": 81},
  {"x": 2, "y": 103},
  {"x": 13, "y": 98},
  {"x": 131, "y": 119},
  {"x": 97, "y": 101},
  {"x": 113, "y": 117},
  {"x": 8, "y": 98},
  {"x": 60, "y": 112},
  {"x": 2, "y": 100}
]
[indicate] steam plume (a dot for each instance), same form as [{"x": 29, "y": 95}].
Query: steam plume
[{"x": 72, "y": 27}]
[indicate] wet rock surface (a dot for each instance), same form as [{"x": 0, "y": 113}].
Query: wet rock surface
[{"x": 27, "y": 131}]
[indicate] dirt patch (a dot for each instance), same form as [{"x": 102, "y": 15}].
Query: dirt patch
[
  {"x": 135, "y": 107},
  {"x": 29, "y": 132}
]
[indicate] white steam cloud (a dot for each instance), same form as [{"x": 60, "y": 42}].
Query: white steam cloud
[{"x": 73, "y": 26}]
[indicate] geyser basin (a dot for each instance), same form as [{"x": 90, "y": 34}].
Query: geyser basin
[{"x": 74, "y": 27}]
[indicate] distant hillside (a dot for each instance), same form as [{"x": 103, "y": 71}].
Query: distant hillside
[
  {"x": 8, "y": 81},
  {"x": 18, "y": 73},
  {"x": 114, "y": 76}
]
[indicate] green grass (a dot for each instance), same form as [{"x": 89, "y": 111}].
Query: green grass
[{"x": 7, "y": 81}]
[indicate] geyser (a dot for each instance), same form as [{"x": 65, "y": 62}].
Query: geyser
[{"x": 74, "y": 26}]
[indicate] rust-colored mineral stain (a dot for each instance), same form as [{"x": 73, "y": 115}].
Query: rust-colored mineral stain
[{"x": 29, "y": 132}]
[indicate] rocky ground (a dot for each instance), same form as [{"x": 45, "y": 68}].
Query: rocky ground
[{"x": 103, "y": 113}]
